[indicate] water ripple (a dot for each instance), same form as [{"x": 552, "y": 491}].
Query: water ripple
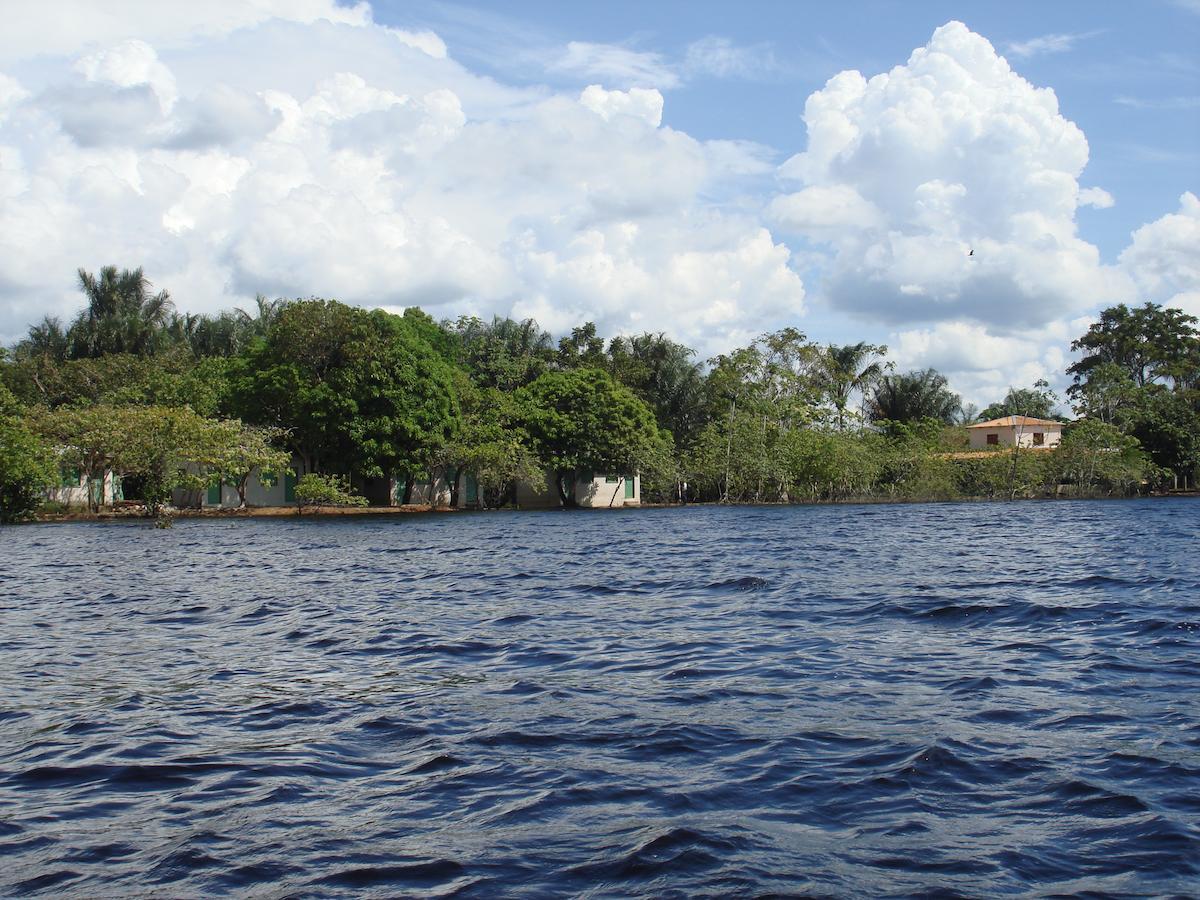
[{"x": 949, "y": 699}]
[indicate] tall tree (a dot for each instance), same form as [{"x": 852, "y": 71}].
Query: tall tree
[
  {"x": 1038, "y": 401},
  {"x": 358, "y": 392},
  {"x": 850, "y": 368},
  {"x": 1150, "y": 343},
  {"x": 121, "y": 316},
  {"x": 919, "y": 394},
  {"x": 582, "y": 422}
]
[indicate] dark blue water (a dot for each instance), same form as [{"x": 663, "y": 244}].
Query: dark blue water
[{"x": 985, "y": 699}]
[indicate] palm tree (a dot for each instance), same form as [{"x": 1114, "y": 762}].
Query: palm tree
[
  {"x": 45, "y": 339},
  {"x": 920, "y": 394},
  {"x": 121, "y": 316},
  {"x": 850, "y": 368}
]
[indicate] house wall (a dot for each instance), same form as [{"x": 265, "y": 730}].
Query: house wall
[
  {"x": 1008, "y": 436},
  {"x": 603, "y": 493},
  {"x": 594, "y": 493},
  {"x": 76, "y": 492}
]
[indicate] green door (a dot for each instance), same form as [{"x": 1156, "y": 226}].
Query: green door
[
  {"x": 472, "y": 490},
  {"x": 289, "y": 488},
  {"x": 214, "y": 494},
  {"x": 628, "y": 487}
]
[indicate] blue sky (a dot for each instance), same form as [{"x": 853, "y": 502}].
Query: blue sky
[
  {"x": 967, "y": 183},
  {"x": 1127, "y": 73}
]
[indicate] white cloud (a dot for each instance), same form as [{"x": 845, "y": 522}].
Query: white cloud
[
  {"x": 721, "y": 57},
  {"x": 1163, "y": 257},
  {"x": 615, "y": 64},
  {"x": 1047, "y": 43},
  {"x": 68, "y": 26},
  {"x": 338, "y": 160},
  {"x": 982, "y": 364},
  {"x": 642, "y": 103},
  {"x": 1097, "y": 198},
  {"x": 1168, "y": 103},
  {"x": 425, "y": 41},
  {"x": 947, "y": 189}
]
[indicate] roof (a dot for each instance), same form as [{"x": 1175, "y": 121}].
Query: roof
[{"x": 1016, "y": 422}]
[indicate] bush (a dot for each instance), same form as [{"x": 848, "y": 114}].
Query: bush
[
  {"x": 325, "y": 490},
  {"x": 26, "y": 470}
]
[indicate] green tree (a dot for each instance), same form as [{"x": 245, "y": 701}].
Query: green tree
[
  {"x": 582, "y": 349},
  {"x": 26, "y": 464},
  {"x": 919, "y": 394},
  {"x": 581, "y": 422},
  {"x": 503, "y": 354},
  {"x": 1149, "y": 343},
  {"x": 121, "y": 316},
  {"x": 358, "y": 392},
  {"x": 1095, "y": 456},
  {"x": 1038, "y": 401},
  {"x": 848, "y": 369},
  {"x": 236, "y": 451},
  {"x": 491, "y": 445}
]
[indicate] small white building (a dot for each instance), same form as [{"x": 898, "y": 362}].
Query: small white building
[
  {"x": 1016, "y": 431},
  {"x": 591, "y": 492},
  {"x": 74, "y": 489}
]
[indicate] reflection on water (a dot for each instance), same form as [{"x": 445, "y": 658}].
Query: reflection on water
[{"x": 990, "y": 698}]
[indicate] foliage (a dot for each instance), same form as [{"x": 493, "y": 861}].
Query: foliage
[
  {"x": 848, "y": 369},
  {"x": 1148, "y": 343},
  {"x": 26, "y": 465},
  {"x": 314, "y": 489},
  {"x": 920, "y": 394},
  {"x": 503, "y": 354},
  {"x": 1097, "y": 457},
  {"x": 172, "y": 378},
  {"x": 238, "y": 451},
  {"x": 582, "y": 421},
  {"x": 357, "y": 391},
  {"x": 1038, "y": 401}
]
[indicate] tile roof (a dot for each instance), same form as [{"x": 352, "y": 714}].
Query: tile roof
[{"x": 1015, "y": 421}]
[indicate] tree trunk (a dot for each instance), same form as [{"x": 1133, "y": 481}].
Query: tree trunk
[
  {"x": 565, "y": 496},
  {"x": 406, "y": 498},
  {"x": 454, "y": 487}
]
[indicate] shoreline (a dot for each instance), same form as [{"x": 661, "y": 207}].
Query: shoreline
[{"x": 285, "y": 512}]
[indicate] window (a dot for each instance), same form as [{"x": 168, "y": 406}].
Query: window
[
  {"x": 993, "y": 439},
  {"x": 70, "y": 477},
  {"x": 1039, "y": 439},
  {"x": 611, "y": 479}
]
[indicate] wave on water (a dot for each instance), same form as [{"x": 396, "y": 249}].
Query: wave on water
[{"x": 826, "y": 701}]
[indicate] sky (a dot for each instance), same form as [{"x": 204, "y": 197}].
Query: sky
[{"x": 969, "y": 184}]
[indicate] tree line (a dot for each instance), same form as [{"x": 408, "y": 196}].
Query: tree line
[{"x": 172, "y": 400}]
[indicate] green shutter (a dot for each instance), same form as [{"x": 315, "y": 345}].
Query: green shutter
[
  {"x": 629, "y": 487},
  {"x": 472, "y": 489},
  {"x": 214, "y": 494},
  {"x": 289, "y": 488}
]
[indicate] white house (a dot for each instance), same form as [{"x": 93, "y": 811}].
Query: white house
[
  {"x": 1016, "y": 431},
  {"x": 74, "y": 489},
  {"x": 592, "y": 492}
]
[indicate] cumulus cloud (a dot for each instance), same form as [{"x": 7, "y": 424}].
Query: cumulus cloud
[
  {"x": 1163, "y": 257},
  {"x": 1097, "y": 198},
  {"x": 342, "y": 159},
  {"x": 643, "y": 103},
  {"x": 946, "y": 189},
  {"x": 982, "y": 364}
]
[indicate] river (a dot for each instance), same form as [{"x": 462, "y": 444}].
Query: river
[{"x": 992, "y": 698}]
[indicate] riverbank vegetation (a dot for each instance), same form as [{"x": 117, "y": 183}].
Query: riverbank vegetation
[{"x": 170, "y": 400}]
